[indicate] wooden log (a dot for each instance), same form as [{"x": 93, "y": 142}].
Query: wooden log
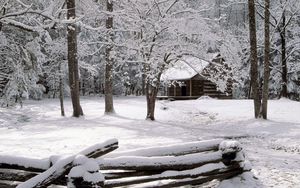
[
  {"x": 40, "y": 165},
  {"x": 14, "y": 184},
  {"x": 8, "y": 184},
  {"x": 172, "y": 150},
  {"x": 206, "y": 170},
  {"x": 197, "y": 181},
  {"x": 126, "y": 174},
  {"x": 86, "y": 175},
  {"x": 22, "y": 163},
  {"x": 16, "y": 175},
  {"x": 231, "y": 152},
  {"x": 63, "y": 166},
  {"x": 184, "y": 162},
  {"x": 22, "y": 175},
  {"x": 99, "y": 150},
  {"x": 80, "y": 183}
]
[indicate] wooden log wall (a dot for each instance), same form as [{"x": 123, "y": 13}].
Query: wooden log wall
[{"x": 200, "y": 87}]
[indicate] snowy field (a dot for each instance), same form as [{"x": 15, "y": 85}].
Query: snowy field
[{"x": 273, "y": 147}]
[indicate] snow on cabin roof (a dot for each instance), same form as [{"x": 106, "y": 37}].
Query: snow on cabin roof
[{"x": 185, "y": 69}]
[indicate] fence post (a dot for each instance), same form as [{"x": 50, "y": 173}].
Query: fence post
[
  {"x": 86, "y": 174},
  {"x": 232, "y": 152}
]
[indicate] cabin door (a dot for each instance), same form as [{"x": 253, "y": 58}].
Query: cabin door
[{"x": 183, "y": 91}]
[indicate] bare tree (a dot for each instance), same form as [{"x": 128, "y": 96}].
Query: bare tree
[
  {"x": 2, "y": 12},
  {"x": 283, "y": 19},
  {"x": 152, "y": 87},
  {"x": 73, "y": 59},
  {"x": 253, "y": 58},
  {"x": 109, "y": 107},
  {"x": 284, "y": 92},
  {"x": 265, "y": 92},
  {"x": 61, "y": 92}
]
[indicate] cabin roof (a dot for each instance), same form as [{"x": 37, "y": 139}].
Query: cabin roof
[{"x": 185, "y": 69}]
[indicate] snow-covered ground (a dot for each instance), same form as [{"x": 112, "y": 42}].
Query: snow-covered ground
[{"x": 273, "y": 146}]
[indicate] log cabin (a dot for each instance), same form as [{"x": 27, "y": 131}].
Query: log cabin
[{"x": 192, "y": 78}]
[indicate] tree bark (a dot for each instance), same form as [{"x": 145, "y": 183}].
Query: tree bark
[
  {"x": 61, "y": 93},
  {"x": 109, "y": 107},
  {"x": 249, "y": 91},
  {"x": 73, "y": 60},
  {"x": 143, "y": 83},
  {"x": 265, "y": 94},
  {"x": 3, "y": 13},
  {"x": 253, "y": 58},
  {"x": 151, "y": 93},
  {"x": 284, "y": 92}
]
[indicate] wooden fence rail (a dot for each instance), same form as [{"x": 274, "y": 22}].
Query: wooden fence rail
[{"x": 177, "y": 165}]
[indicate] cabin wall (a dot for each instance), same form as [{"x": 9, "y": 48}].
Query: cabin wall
[
  {"x": 197, "y": 87},
  {"x": 185, "y": 88},
  {"x": 200, "y": 87},
  {"x": 182, "y": 89}
]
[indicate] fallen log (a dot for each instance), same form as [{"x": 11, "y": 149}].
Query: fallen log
[
  {"x": 63, "y": 166},
  {"x": 172, "y": 150}
]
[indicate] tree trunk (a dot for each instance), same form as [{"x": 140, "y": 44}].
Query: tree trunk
[
  {"x": 109, "y": 107},
  {"x": 61, "y": 93},
  {"x": 73, "y": 60},
  {"x": 3, "y": 13},
  {"x": 249, "y": 91},
  {"x": 284, "y": 92},
  {"x": 151, "y": 93},
  {"x": 253, "y": 58},
  {"x": 144, "y": 83},
  {"x": 265, "y": 94}
]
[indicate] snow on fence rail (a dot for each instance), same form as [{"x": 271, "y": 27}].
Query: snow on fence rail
[{"x": 182, "y": 164}]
